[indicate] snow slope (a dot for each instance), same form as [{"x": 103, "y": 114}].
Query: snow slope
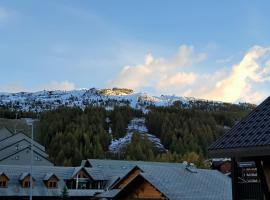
[
  {"x": 136, "y": 125},
  {"x": 46, "y": 100}
]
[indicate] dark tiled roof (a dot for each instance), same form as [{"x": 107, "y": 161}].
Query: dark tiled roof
[
  {"x": 174, "y": 179},
  {"x": 18, "y": 173},
  {"x": 49, "y": 175},
  {"x": 18, "y": 137},
  {"x": 252, "y": 131},
  {"x": 4, "y": 133}
]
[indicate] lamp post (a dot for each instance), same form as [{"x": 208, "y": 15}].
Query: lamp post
[{"x": 30, "y": 122}]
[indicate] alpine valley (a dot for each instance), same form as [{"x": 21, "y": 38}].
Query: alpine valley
[{"x": 119, "y": 123}]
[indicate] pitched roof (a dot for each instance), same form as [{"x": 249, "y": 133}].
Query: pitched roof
[
  {"x": 11, "y": 153},
  {"x": 109, "y": 194},
  {"x": 4, "y": 133},
  {"x": 49, "y": 175},
  {"x": 114, "y": 193},
  {"x": 127, "y": 164},
  {"x": 8, "y": 151},
  {"x": 78, "y": 169},
  {"x": 3, "y": 174},
  {"x": 18, "y": 137},
  {"x": 24, "y": 175},
  {"x": 125, "y": 176},
  {"x": 249, "y": 137},
  {"x": 175, "y": 181},
  {"x": 171, "y": 179},
  {"x": 40, "y": 172}
]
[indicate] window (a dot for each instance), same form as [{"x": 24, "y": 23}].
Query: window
[
  {"x": 52, "y": 184},
  {"x": 37, "y": 158},
  {"x": 26, "y": 184},
  {"x": 3, "y": 184},
  {"x": 3, "y": 180}
]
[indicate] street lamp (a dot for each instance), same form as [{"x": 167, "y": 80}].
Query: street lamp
[{"x": 30, "y": 122}]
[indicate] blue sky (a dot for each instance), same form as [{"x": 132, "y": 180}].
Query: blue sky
[{"x": 188, "y": 48}]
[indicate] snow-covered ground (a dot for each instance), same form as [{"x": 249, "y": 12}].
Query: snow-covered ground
[
  {"x": 136, "y": 125},
  {"x": 47, "y": 100}
]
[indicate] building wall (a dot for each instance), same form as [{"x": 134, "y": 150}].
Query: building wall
[
  {"x": 126, "y": 180},
  {"x": 142, "y": 190}
]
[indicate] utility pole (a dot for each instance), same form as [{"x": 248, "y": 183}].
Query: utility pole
[
  {"x": 30, "y": 122},
  {"x": 31, "y": 169},
  {"x": 16, "y": 122}
]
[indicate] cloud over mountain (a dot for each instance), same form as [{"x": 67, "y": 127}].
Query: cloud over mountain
[
  {"x": 174, "y": 75},
  {"x": 160, "y": 72}
]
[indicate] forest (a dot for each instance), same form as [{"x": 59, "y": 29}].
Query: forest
[{"x": 72, "y": 134}]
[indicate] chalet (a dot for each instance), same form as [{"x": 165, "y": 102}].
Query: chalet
[
  {"x": 115, "y": 180},
  {"x": 15, "y": 150},
  {"x": 248, "y": 146}
]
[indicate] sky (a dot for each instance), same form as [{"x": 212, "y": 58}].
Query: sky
[{"x": 217, "y": 50}]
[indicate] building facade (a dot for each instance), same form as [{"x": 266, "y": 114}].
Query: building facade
[
  {"x": 248, "y": 146},
  {"x": 15, "y": 149}
]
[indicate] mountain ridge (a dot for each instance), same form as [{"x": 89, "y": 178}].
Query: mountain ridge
[{"x": 46, "y": 100}]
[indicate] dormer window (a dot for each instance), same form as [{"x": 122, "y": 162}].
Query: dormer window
[
  {"x": 3, "y": 184},
  {"x": 16, "y": 158},
  {"x": 51, "y": 180},
  {"x": 37, "y": 158},
  {"x": 3, "y": 180},
  {"x": 52, "y": 184},
  {"x": 80, "y": 179},
  {"x": 26, "y": 184},
  {"x": 25, "y": 180}
]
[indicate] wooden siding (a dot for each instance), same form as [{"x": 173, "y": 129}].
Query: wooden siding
[
  {"x": 127, "y": 179},
  {"x": 82, "y": 174},
  {"x": 139, "y": 188},
  {"x": 3, "y": 181},
  {"x": 27, "y": 179},
  {"x": 52, "y": 182}
]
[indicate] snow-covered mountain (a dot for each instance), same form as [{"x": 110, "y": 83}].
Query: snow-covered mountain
[{"x": 46, "y": 100}]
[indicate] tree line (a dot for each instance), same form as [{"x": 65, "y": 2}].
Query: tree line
[{"x": 71, "y": 134}]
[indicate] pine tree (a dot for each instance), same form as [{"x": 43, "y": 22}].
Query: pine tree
[{"x": 64, "y": 193}]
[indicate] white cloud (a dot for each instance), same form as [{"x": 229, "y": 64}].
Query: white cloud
[
  {"x": 169, "y": 76},
  {"x": 237, "y": 85},
  {"x": 157, "y": 71},
  {"x": 180, "y": 79},
  {"x": 54, "y": 85}
]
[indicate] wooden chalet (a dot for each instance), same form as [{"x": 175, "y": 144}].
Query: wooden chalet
[{"x": 248, "y": 146}]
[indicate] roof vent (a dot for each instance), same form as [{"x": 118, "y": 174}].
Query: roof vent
[{"x": 190, "y": 167}]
